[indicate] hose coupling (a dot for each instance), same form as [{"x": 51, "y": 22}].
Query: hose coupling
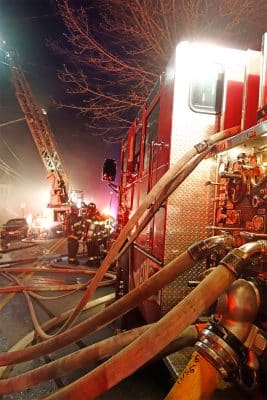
[
  {"x": 222, "y": 349},
  {"x": 201, "y": 146},
  {"x": 237, "y": 258},
  {"x": 199, "y": 249},
  {"x": 235, "y": 261}
]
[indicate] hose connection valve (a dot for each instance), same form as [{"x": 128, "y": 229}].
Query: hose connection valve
[
  {"x": 222, "y": 350},
  {"x": 232, "y": 342}
]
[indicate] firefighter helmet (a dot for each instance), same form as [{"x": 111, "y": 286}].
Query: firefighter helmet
[{"x": 91, "y": 207}]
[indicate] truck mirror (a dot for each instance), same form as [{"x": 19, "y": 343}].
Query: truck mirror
[{"x": 109, "y": 170}]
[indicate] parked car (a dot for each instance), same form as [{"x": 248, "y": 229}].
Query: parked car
[{"x": 16, "y": 228}]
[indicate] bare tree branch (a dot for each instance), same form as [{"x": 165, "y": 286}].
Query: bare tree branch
[{"x": 116, "y": 50}]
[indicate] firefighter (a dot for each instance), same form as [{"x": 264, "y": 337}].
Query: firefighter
[
  {"x": 83, "y": 209},
  {"x": 74, "y": 227},
  {"x": 91, "y": 236}
]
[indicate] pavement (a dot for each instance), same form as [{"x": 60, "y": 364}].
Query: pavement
[{"x": 152, "y": 382}]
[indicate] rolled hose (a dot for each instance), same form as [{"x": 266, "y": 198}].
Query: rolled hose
[
  {"x": 162, "y": 332},
  {"x": 166, "y": 275}
]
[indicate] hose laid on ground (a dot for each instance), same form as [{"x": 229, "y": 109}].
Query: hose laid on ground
[
  {"x": 101, "y": 271},
  {"x": 29, "y": 260},
  {"x": 47, "y": 298},
  {"x": 51, "y": 288},
  {"x": 139, "y": 352},
  {"x": 99, "y": 320},
  {"x": 93, "y": 353},
  {"x": 18, "y": 287},
  {"x": 166, "y": 180},
  {"x": 156, "y": 205},
  {"x": 129, "y": 231},
  {"x": 60, "y": 270},
  {"x": 35, "y": 322},
  {"x": 163, "y": 277},
  {"x": 50, "y": 324}
]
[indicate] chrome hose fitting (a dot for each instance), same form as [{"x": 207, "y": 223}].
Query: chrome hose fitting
[
  {"x": 200, "y": 248},
  {"x": 224, "y": 342},
  {"x": 237, "y": 258},
  {"x": 221, "y": 349}
]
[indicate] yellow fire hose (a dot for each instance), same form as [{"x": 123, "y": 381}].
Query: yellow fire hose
[{"x": 198, "y": 380}]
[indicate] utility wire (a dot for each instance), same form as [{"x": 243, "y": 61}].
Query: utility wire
[
  {"x": 10, "y": 171},
  {"x": 11, "y": 122},
  {"x": 11, "y": 151},
  {"x": 6, "y": 144}
]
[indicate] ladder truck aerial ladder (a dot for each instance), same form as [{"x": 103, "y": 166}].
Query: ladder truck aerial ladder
[
  {"x": 43, "y": 137},
  {"x": 42, "y": 134}
]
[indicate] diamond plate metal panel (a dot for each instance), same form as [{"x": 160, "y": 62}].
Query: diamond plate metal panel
[{"x": 189, "y": 211}]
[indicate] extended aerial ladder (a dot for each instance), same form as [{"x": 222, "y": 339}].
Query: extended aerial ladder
[{"x": 41, "y": 132}]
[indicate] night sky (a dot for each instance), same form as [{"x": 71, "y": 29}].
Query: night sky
[{"x": 25, "y": 25}]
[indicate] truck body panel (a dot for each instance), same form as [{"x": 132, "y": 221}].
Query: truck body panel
[{"x": 204, "y": 89}]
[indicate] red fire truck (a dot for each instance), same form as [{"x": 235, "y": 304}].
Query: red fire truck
[{"x": 204, "y": 89}]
